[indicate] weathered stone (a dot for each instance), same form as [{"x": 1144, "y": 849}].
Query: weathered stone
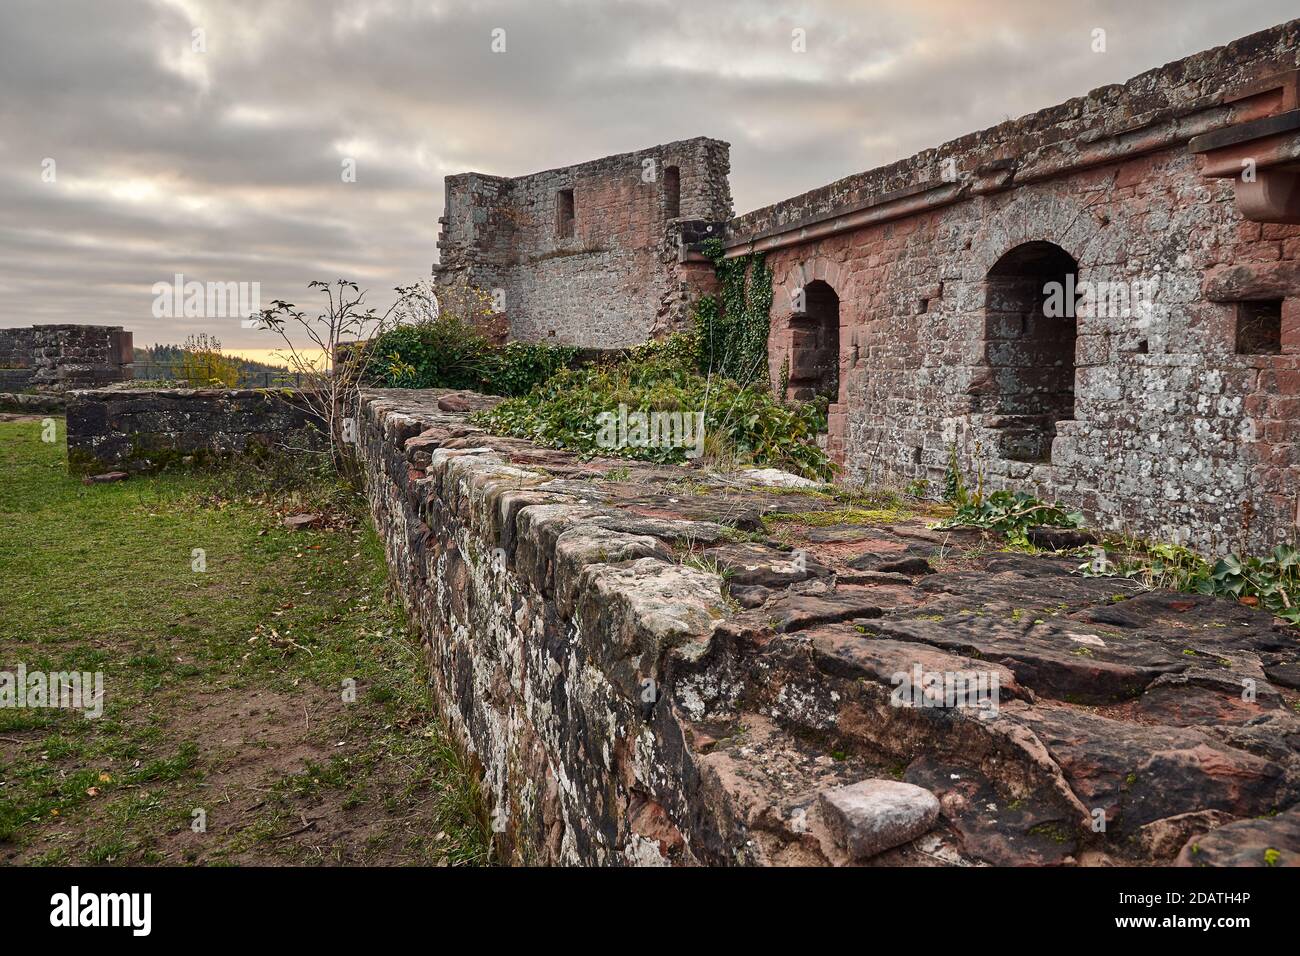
[
  {"x": 774, "y": 478},
  {"x": 617, "y": 699},
  {"x": 454, "y": 403},
  {"x": 56, "y": 358},
  {"x": 302, "y": 522},
  {"x": 1267, "y": 841},
  {"x": 1060, "y": 539},
  {"x": 146, "y": 429},
  {"x": 749, "y": 596},
  {"x": 588, "y": 255},
  {"x": 746, "y": 564},
  {"x": 1163, "y": 839},
  {"x": 872, "y": 816},
  {"x": 106, "y": 478}
]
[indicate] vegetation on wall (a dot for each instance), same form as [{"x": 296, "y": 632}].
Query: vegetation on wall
[
  {"x": 1271, "y": 582},
  {"x": 1008, "y": 513},
  {"x": 732, "y": 328},
  {"x": 448, "y": 352},
  {"x": 741, "y": 425}
]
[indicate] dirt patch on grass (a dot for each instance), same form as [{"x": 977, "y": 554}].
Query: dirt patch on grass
[{"x": 261, "y": 777}]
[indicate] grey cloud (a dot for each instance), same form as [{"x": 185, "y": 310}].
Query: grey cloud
[{"x": 111, "y": 92}]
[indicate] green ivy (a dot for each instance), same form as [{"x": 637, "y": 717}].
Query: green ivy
[{"x": 732, "y": 329}]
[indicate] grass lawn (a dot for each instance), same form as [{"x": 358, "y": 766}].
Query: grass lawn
[{"x": 228, "y": 646}]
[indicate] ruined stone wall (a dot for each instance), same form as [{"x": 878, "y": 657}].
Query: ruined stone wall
[
  {"x": 61, "y": 357},
  {"x": 627, "y": 706},
  {"x": 1174, "y": 434},
  {"x": 143, "y": 429},
  {"x": 612, "y": 277}
]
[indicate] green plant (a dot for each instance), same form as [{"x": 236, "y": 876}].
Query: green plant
[
  {"x": 441, "y": 352},
  {"x": 448, "y": 351},
  {"x": 1269, "y": 582},
  {"x": 1011, "y": 514},
  {"x": 732, "y": 328},
  {"x": 917, "y": 488},
  {"x": 954, "y": 481},
  {"x": 1151, "y": 566},
  {"x": 744, "y": 425},
  {"x": 515, "y": 368},
  {"x": 203, "y": 365}
]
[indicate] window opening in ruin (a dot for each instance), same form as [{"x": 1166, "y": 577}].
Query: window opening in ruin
[
  {"x": 1259, "y": 327},
  {"x": 1029, "y": 347},
  {"x": 564, "y": 213},
  {"x": 672, "y": 192},
  {"x": 815, "y": 345}
]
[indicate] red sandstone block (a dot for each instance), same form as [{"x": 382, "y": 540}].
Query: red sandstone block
[
  {"x": 1248, "y": 231},
  {"x": 1286, "y": 381}
]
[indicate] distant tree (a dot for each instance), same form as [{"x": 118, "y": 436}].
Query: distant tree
[{"x": 203, "y": 366}]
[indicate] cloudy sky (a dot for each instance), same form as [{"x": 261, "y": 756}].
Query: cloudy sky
[{"x": 219, "y": 154}]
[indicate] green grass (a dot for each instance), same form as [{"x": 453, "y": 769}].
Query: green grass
[{"x": 100, "y": 578}]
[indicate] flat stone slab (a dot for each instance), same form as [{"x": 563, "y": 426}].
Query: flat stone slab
[
  {"x": 747, "y": 564},
  {"x": 302, "y": 522},
  {"x": 1267, "y": 841},
  {"x": 872, "y": 816}
]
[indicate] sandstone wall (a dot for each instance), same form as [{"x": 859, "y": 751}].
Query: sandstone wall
[
  {"x": 613, "y": 277},
  {"x": 1174, "y": 433},
  {"x": 61, "y": 357},
  {"x": 628, "y": 706},
  {"x": 143, "y": 429}
]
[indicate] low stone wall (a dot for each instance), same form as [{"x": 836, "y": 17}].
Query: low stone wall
[
  {"x": 56, "y": 358},
  {"x": 25, "y": 403},
  {"x": 144, "y": 429},
  {"x": 654, "y": 666}
]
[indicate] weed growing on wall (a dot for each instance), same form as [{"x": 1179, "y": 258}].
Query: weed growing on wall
[
  {"x": 1011, "y": 514},
  {"x": 741, "y": 425},
  {"x": 1270, "y": 582}
]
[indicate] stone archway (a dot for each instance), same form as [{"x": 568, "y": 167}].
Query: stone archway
[
  {"x": 1030, "y": 331},
  {"x": 815, "y": 343}
]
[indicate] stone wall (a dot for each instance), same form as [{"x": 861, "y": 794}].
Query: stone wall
[
  {"x": 1158, "y": 421},
  {"x": 133, "y": 429},
  {"x": 615, "y": 274},
  {"x": 628, "y": 705},
  {"x": 62, "y": 357}
]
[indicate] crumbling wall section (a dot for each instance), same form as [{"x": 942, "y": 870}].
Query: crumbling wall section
[
  {"x": 588, "y": 255},
  {"x": 138, "y": 430},
  {"x": 55, "y": 358},
  {"x": 648, "y": 677}
]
